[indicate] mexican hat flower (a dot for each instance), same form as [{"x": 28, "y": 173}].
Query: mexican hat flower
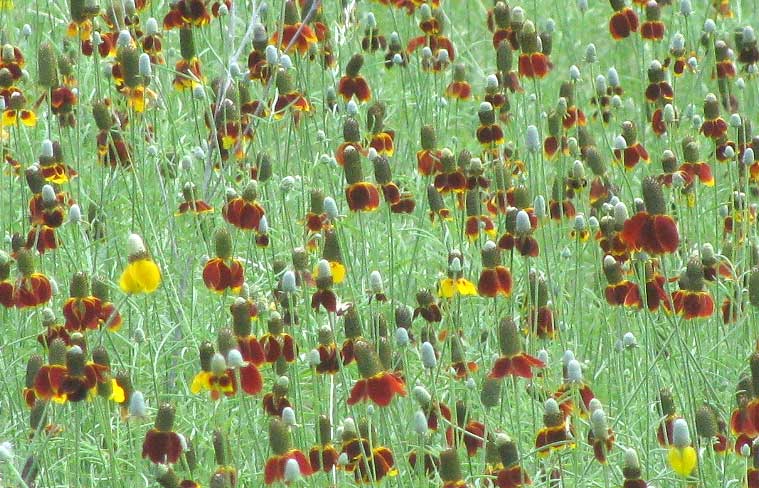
[
  {"x": 692, "y": 300},
  {"x": 32, "y": 288},
  {"x": 495, "y": 279},
  {"x": 282, "y": 451},
  {"x": 513, "y": 361},
  {"x": 455, "y": 283},
  {"x": 681, "y": 456},
  {"x": 376, "y": 384},
  {"x": 142, "y": 274},
  {"x": 557, "y": 432},
  {"x": 162, "y": 445},
  {"x": 651, "y": 230},
  {"x": 223, "y": 272}
]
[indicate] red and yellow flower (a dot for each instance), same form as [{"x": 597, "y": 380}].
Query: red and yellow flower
[
  {"x": 376, "y": 385},
  {"x": 162, "y": 445},
  {"x": 513, "y": 361}
]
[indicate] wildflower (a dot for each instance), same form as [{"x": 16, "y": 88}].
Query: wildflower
[
  {"x": 600, "y": 435},
  {"x": 275, "y": 402},
  {"x": 223, "y": 272},
  {"x": 712, "y": 428},
  {"x": 462, "y": 368},
  {"x": 109, "y": 316},
  {"x": 281, "y": 446},
  {"x": 532, "y": 62},
  {"x": 664, "y": 432},
  {"x": 381, "y": 139},
  {"x": 377, "y": 385},
  {"x": 691, "y": 300},
  {"x": 627, "y": 149},
  {"x": 352, "y": 83},
  {"x": 192, "y": 204},
  {"x": 162, "y": 445},
  {"x": 82, "y": 311},
  {"x": 619, "y": 291},
  {"x": 538, "y": 313},
  {"x": 244, "y": 211},
  {"x": 288, "y": 96},
  {"x": 560, "y": 205},
  {"x": 557, "y": 432},
  {"x": 141, "y": 274},
  {"x": 324, "y": 296},
  {"x": 520, "y": 225},
  {"x": 325, "y": 354},
  {"x": 432, "y": 26},
  {"x": 323, "y": 457},
  {"x": 714, "y": 125},
  {"x": 361, "y": 195},
  {"x": 395, "y": 55},
  {"x": 741, "y": 421},
  {"x": 31, "y": 289},
  {"x": 455, "y": 283},
  {"x": 46, "y": 212},
  {"x": 187, "y": 13},
  {"x": 623, "y": 22},
  {"x": 51, "y": 164},
  {"x": 276, "y": 343},
  {"x": 366, "y": 458},
  {"x": 489, "y": 133},
  {"x": 574, "y": 386},
  {"x": 651, "y": 230},
  {"x": 500, "y": 23},
  {"x": 70, "y": 382},
  {"x": 476, "y": 221},
  {"x": 295, "y": 34},
  {"x": 450, "y": 470},
  {"x": 652, "y": 29},
  {"x": 631, "y": 471},
  {"x": 681, "y": 456},
  {"x": 508, "y": 472},
  {"x": 513, "y": 361},
  {"x": 188, "y": 74},
  {"x": 495, "y": 279},
  {"x": 459, "y": 88},
  {"x": 470, "y": 431}
]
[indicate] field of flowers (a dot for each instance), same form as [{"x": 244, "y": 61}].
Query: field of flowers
[{"x": 411, "y": 243}]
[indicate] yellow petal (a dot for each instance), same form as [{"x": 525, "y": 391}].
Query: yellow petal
[
  {"x": 447, "y": 288},
  {"x": 127, "y": 281},
  {"x": 117, "y": 392},
  {"x": 200, "y": 382},
  {"x": 147, "y": 274},
  {"x": 682, "y": 460},
  {"x": 338, "y": 272},
  {"x": 466, "y": 287}
]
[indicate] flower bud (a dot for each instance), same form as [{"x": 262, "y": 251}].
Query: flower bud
[
  {"x": 532, "y": 139},
  {"x": 420, "y": 423},
  {"x": 288, "y": 282},
  {"x": 429, "y": 360},
  {"x": 137, "y": 405},
  {"x": 680, "y": 434},
  {"x": 292, "y": 471},
  {"x": 144, "y": 66},
  {"x": 235, "y": 359},
  {"x": 402, "y": 338},
  {"x": 574, "y": 371},
  {"x": 330, "y": 208},
  {"x": 523, "y": 225}
]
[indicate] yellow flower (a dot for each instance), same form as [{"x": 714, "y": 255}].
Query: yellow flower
[
  {"x": 117, "y": 392},
  {"x": 450, "y": 287},
  {"x": 140, "y": 276},
  {"x": 202, "y": 381},
  {"x": 6, "y": 4},
  {"x": 337, "y": 269},
  {"x": 682, "y": 460}
]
